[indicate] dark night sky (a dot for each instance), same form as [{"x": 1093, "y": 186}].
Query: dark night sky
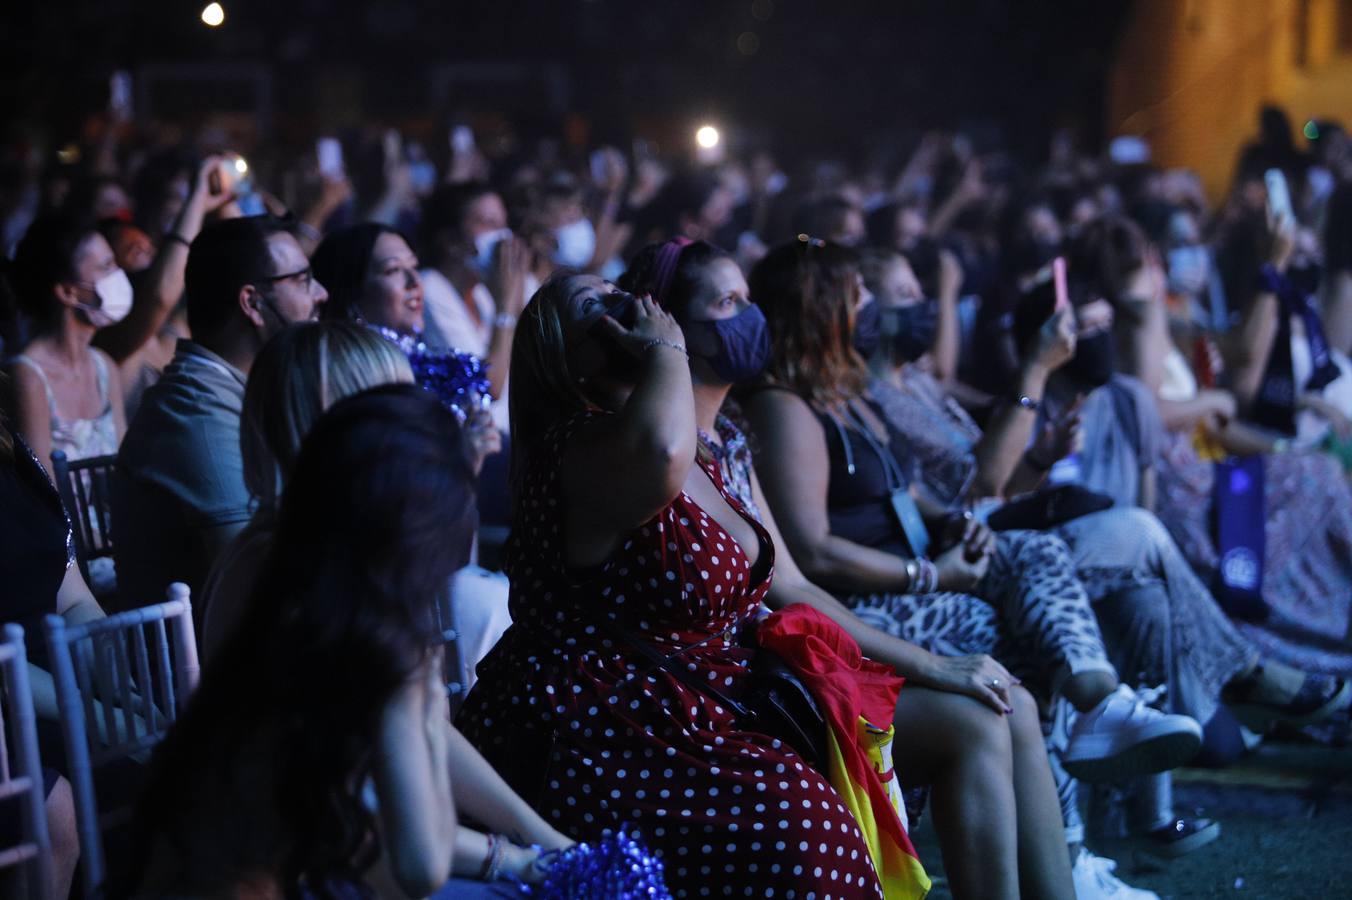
[{"x": 835, "y": 74}]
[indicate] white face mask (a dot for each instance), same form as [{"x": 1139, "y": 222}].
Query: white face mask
[
  {"x": 114, "y": 293},
  {"x": 485, "y": 244},
  {"x": 577, "y": 244}
]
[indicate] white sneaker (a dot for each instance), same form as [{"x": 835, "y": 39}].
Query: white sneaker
[
  {"x": 1093, "y": 877},
  {"x": 1122, "y": 736}
]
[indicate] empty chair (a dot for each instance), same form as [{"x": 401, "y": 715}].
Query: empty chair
[
  {"x": 120, "y": 683},
  {"x": 21, "y": 769},
  {"x": 84, "y": 488}
]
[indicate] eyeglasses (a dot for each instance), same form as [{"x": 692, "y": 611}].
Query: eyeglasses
[{"x": 306, "y": 276}]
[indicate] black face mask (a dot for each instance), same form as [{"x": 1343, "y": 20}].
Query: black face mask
[
  {"x": 1094, "y": 361},
  {"x": 618, "y": 362},
  {"x": 911, "y": 329},
  {"x": 868, "y": 329}
]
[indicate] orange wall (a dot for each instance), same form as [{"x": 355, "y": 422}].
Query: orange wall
[{"x": 1190, "y": 76}]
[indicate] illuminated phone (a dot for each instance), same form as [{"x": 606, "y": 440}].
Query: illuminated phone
[
  {"x": 1278, "y": 196},
  {"x": 330, "y": 153},
  {"x": 462, "y": 140},
  {"x": 1059, "y": 284}
]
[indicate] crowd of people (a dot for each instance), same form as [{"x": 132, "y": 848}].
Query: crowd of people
[{"x": 1024, "y": 476}]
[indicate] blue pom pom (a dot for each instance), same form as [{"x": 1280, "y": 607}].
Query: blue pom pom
[{"x": 617, "y": 867}]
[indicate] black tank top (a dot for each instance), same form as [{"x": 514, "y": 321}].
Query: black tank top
[{"x": 864, "y": 472}]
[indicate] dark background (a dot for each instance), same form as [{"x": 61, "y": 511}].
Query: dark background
[{"x": 794, "y": 76}]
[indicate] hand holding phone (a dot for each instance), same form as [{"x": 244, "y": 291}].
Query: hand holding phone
[
  {"x": 1059, "y": 284},
  {"x": 329, "y": 152},
  {"x": 1278, "y": 198}
]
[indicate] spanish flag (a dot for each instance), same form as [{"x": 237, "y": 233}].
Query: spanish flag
[{"x": 857, "y": 697}]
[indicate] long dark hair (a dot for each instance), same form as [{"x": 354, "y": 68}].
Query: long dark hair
[
  {"x": 694, "y": 258},
  {"x": 544, "y": 392},
  {"x": 808, "y": 290},
  {"x": 340, "y": 263},
  {"x": 263, "y": 774}
]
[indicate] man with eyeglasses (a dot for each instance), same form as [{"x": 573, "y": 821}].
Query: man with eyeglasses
[{"x": 179, "y": 495}]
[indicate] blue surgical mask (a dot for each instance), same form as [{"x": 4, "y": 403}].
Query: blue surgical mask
[
  {"x": 1189, "y": 270},
  {"x": 576, "y": 244},
  {"x": 743, "y": 345}
]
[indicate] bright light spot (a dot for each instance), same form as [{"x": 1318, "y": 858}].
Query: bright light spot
[
  {"x": 1312, "y": 130},
  {"x": 213, "y": 14},
  {"x": 240, "y": 165},
  {"x": 707, "y": 137}
]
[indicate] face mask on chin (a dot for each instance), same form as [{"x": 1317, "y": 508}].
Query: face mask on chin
[{"x": 114, "y": 294}]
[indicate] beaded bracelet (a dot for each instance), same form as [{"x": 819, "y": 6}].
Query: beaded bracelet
[{"x": 659, "y": 342}]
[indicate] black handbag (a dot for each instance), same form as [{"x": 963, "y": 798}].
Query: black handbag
[
  {"x": 776, "y": 701},
  {"x": 1048, "y": 508}
]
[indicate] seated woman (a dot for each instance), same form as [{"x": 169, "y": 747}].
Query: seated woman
[
  {"x": 621, "y": 538},
  {"x": 1306, "y": 572},
  {"x": 333, "y": 681},
  {"x": 945, "y": 739},
  {"x": 834, "y": 478},
  {"x": 1133, "y": 573},
  {"x": 298, "y": 374},
  {"x": 372, "y": 277},
  {"x": 37, "y": 568},
  {"x": 68, "y": 395}
]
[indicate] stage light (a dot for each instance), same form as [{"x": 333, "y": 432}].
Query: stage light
[
  {"x": 707, "y": 137},
  {"x": 213, "y": 14}
]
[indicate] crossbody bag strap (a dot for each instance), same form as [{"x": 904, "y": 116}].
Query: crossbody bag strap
[{"x": 679, "y": 672}]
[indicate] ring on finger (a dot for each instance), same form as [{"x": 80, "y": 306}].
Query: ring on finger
[{"x": 994, "y": 684}]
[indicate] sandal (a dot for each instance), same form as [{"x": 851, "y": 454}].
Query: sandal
[{"x": 1320, "y": 697}]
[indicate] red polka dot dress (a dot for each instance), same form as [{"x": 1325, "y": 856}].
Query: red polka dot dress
[{"x": 594, "y": 736}]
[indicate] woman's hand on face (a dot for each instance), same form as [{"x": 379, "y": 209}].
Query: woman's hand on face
[
  {"x": 978, "y": 676},
  {"x": 651, "y": 323}
]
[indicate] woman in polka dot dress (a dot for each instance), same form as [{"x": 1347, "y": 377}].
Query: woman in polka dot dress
[{"x": 619, "y": 530}]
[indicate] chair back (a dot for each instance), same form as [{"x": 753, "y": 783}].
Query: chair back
[
  {"x": 84, "y": 488},
  {"x": 21, "y": 770},
  {"x": 121, "y": 682}
]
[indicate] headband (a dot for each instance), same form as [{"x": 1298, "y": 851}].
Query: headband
[{"x": 667, "y": 258}]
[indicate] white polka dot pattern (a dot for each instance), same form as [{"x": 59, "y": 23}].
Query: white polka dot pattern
[{"x": 581, "y": 726}]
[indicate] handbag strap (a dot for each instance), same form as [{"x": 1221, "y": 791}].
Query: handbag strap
[{"x": 680, "y": 673}]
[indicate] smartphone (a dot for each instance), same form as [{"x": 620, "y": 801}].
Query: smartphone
[
  {"x": 329, "y": 150},
  {"x": 1059, "y": 284},
  {"x": 462, "y": 140},
  {"x": 1279, "y": 196}
]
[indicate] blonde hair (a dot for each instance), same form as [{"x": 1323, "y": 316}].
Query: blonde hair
[{"x": 302, "y": 371}]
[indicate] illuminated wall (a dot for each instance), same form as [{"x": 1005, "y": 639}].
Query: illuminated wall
[{"x": 1190, "y": 75}]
